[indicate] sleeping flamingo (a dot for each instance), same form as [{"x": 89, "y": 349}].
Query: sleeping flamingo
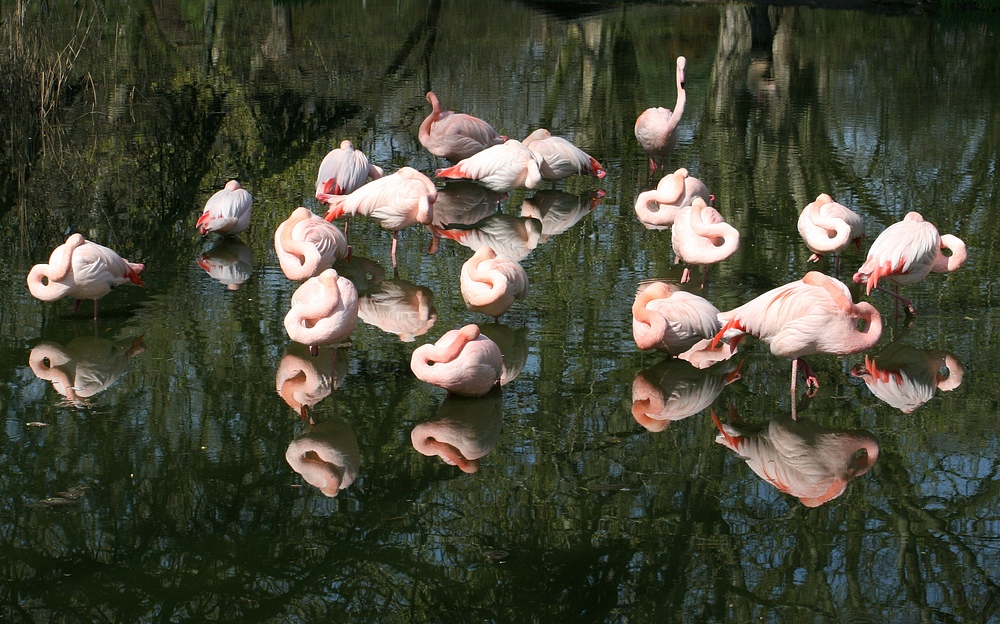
[
  {"x": 907, "y": 252},
  {"x": 83, "y": 270},
  {"x": 673, "y": 192},
  {"x": 324, "y": 311},
  {"x": 829, "y": 227},
  {"x": 491, "y": 284},
  {"x": 560, "y": 158},
  {"x": 455, "y": 136},
  {"x": 701, "y": 236},
  {"x": 807, "y": 316},
  {"x": 463, "y": 362},
  {"x": 656, "y": 128},
  {"x": 800, "y": 457},
  {"x": 394, "y": 201},
  {"x": 227, "y": 212},
  {"x": 307, "y": 245},
  {"x": 501, "y": 168},
  {"x": 343, "y": 171},
  {"x": 670, "y": 319},
  {"x": 464, "y": 430}
]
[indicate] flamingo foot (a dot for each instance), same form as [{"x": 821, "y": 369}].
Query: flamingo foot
[{"x": 807, "y": 373}]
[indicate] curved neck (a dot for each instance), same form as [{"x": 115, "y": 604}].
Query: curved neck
[
  {"x": 821, "y": 225},
  {"x": 446, "y": 354},
  {"x": 425, "y": 125},
  {"x": 947, "y": 264}
]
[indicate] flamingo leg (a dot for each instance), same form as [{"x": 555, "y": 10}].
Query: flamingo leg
[
  {"x": 907, "y": 304},
  {"x": 395, "y": 239},
  {"x": 347, "y": 222},
  {"x": 333, "y": 369}
]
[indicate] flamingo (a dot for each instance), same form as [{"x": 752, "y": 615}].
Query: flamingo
[
  {"x": 501, "y": 168},
  {"x": 672, "y": 390},
  {"x": 560, "y": 158},
  {"x": 227, "y": 212},
  {"x": 800, "y": 457},
  {"x": 455, "y": 136},
  {"x": 701, "y": 236},
  {"x": 307, "y": 245},
  {"x": 324, "y": 311},
  {"x": 491, "y": 284},
  {"x": 673, "y": 192},
  {"x": 907, "y": 252},
  {"x": 343, "y": 171},
  {"x": 671, "y": 320},
  {"x": 394, "y": 201},
  {"x": 229, "y": 261},
  {"x": 463, "y": 362},
  {"x": 327, "y": 456},
  {"x": 83, "y": 270},
  {"x": 906, "y": 378},
  {"x": 804, "y": 317},
  {"x": 464, "y": 430},
  {"x": 656, "y": 128},
  {"x": 829, "y": 227},
  {"x": 398, "y": 307}
]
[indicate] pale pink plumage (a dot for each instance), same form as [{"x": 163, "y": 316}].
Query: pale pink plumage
[
  {"x": 656, "y": 128},
  {"x": 802, "y": 458},
  {"x": 701, "y": 236},
  {"x": 303, "y": 380},
  {"x": 906, "y": 252},
  {"x": 343, "y": 171},
  {"x": 82, "y": 270},
  {"x": 491, "y": 284},
  {"x": 671, "y": 320},
  {"x": 805, "y": 317},
  {"x": 324, "y": 310},
  {"x": 227, "y": 212},
  {"x": 85, "y": 367},
  {"x": 560, "y": 158},
  {"x": 673, "y": 192},
  {"x": 307, "y": 245},
  {"x": 455, "y": 136},
  {"x": 829, "y": 227},
  {"x": 463, "y": 362},
  {"x": 502, "y": 168},
  {"x": 558, "y": 211}
]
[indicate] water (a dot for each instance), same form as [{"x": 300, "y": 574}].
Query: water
[{"x": 161, "y": 491}]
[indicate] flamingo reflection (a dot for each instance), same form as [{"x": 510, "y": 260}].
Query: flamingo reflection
[
  {"x": 906, "y": 377},
  {"x": 398, "y": 307},
  {"x": 513, "y": 345},
  {"x": 514, "y": 237},
  {"x": 558, "y": 210},
  {"x": 303, "y": 380},
  {"x": 672, "y": 390},
  {"x": 85, "y": 367},
  {"x": 326, "y": 455},
  {"x": 228, "y": 262},
  {"x": 464, "y": 431}
]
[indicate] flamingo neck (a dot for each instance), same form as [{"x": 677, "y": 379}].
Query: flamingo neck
[{"x": 947, "y": 264}]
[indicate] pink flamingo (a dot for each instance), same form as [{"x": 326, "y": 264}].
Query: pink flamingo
[
  {"x": 464, "y": 430},
  {"x": 701, "y": 236},
  {"x": 906, "y": 378},
  {"x": 799, "y": 457},
  {"x": 455, "y": 136},
  {"x": 671, "y": 320},
  {"x": 673, "y": 192},
  {"x": 324, "y": 311},
  {"x": 307, "y": 245},
  {"x": 83, "y": 270},
  {"x": 394, "y": 201},
  {"x": 907, "y": 252},
  {"x": 656, "y": 128},
  {"x": 463, "y": 362},
  {"x": 343, "y": 171},
  {"x": 501, "y": 168},
  {"x": 560, "y": 158},
  {"x": 829, "y": 227},
  {"x": 227, "y": 212},
  {"x": 807, "y": 316},
  {"x": 491, "y": 284},
  {"x": 327, "y": 456}
]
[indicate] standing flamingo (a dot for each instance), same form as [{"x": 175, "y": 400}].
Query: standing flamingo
[
  {"x": 907, "y": 252},
  {"x": 502, "y": 168},
  {"x": 490, "y": 283},
  {"x": 227, "y": 212},
  {"x": 455, "y": 136},
  {"x": 343, "y": 171},
  {"x": 462, "y": 362},
  {"x": 83, "y": 270},
  {"x": 829, "y": 227},
  {"x": 807, "y": 316},
  {"x": 560, "y": 158},
  {"x": 394, "y": 201},
  {"x": 324, "y": 311},
  {"x": 701, "y": 236},
  {"x": 673, "y": 192},
  {"x": 307, "y": 245},
  {"x": 656, "y": 128},
  {"x": 671, "y": 320}
]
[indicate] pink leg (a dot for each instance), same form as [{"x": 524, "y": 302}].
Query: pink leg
[{"x": 395, "y": 237}]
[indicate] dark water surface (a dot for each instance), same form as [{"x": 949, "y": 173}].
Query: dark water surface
[{"x": 146, "y": 479}]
